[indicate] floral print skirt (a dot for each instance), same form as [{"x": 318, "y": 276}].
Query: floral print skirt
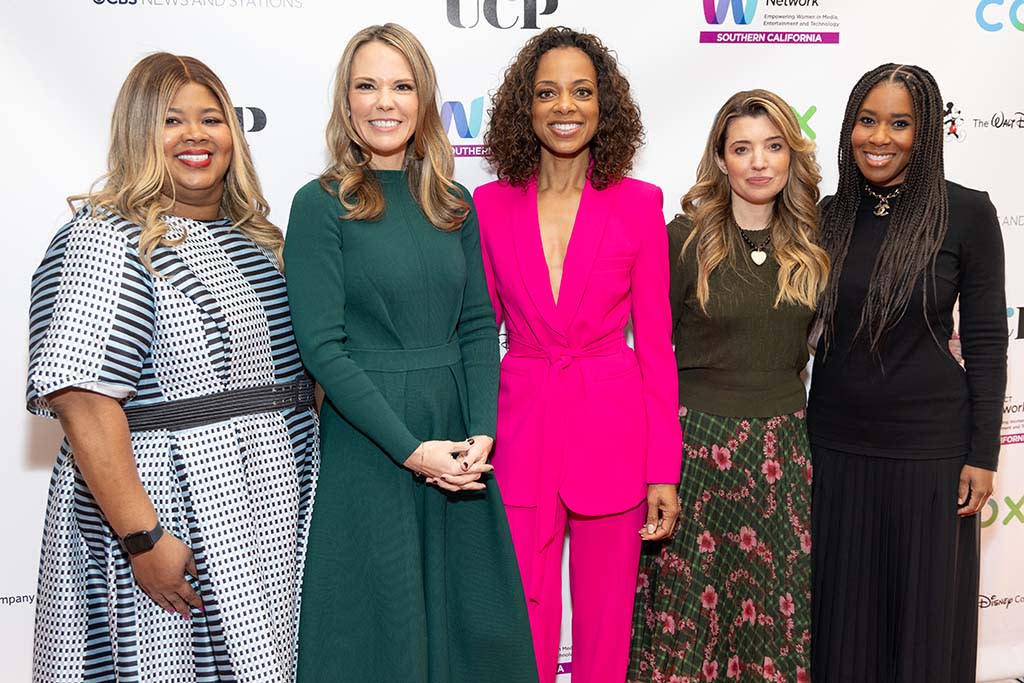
[{"x": 728, "y": 598}]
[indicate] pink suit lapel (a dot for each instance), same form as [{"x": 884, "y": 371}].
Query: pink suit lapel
[
  {"x": 530, "y": 254},
  {"x": 587, "y": 233}
]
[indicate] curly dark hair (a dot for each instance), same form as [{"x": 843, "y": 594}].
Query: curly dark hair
[{"x": 513, "y": 149}]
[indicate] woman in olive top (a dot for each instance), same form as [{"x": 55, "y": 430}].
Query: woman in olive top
[
  {"x": 729, "y": 596},
  {"x": 410, "y": 572}
]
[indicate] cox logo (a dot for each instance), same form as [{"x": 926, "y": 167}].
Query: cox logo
[
  {"x": 1014, "y": 512},
  {"x": 490, "y": 12},
  {"x": 251, "y": 119},
  {"x": 742, "y": 11},
  {"x": 1015, "y": 15}
]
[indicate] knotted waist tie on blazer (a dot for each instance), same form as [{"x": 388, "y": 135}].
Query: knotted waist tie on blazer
[{"x": 564, "y": 384}]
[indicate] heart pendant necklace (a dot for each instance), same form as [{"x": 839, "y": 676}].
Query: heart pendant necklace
[
  {"x": 757, "y": 251},
  {"x": 882, "y": 207}
]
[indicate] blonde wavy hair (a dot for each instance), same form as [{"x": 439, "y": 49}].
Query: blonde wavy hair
[
  {"x": 138, "y": 185},
  {"x": 803, "y": 265},
  {"x": 428, "y": 161}
]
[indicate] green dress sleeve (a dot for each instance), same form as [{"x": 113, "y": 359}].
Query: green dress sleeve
[
  {"x": 315, "y": 272},
  {"x": 478, "y": 334}
]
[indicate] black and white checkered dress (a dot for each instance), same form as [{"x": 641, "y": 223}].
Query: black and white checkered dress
[{"x": 238, "y": 492}]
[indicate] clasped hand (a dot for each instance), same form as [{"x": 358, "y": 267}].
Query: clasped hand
[{"x": 453, "y": 465}]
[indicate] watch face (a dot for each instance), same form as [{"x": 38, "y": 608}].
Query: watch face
[{"x": 141, "y": 541}]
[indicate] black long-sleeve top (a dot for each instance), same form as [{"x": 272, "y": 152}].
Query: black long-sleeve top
[{"x": 913, "y": 400}]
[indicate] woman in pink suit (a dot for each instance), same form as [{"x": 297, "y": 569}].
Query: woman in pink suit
[{"x": 587, "y": 427}]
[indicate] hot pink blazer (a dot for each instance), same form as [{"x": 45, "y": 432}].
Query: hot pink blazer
[{"x": 580, "y": 414}]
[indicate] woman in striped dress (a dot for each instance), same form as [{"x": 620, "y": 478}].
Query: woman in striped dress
[{"x": 160, "y": 337}]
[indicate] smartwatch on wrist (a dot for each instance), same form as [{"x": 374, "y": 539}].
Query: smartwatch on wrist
[{"x": 141, "y": 541}]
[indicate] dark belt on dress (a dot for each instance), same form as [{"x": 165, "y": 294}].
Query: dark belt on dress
[{"x": 187, "y": 413}]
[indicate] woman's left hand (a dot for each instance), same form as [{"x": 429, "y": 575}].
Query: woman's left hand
[
  {"x": 479, "y": 450},
  {"x": 976, "y": 485},
  {"x": 662, "y": 512}
]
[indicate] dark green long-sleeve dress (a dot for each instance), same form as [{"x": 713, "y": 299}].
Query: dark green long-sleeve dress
[{"x": 403, "y": 581}]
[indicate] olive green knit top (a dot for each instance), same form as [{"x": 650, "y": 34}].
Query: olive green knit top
[{"x": 743, "y": 358}]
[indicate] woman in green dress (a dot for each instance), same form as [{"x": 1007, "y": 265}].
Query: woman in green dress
[
  {"x": 729, "y": 597},
  {"x": 410, "y": 571}
]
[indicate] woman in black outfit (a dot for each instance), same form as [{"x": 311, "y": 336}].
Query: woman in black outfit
[{"x": 905, "y": 442}]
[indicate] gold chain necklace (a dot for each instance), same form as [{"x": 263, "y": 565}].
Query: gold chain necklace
[{"x": 882, "y": 207}]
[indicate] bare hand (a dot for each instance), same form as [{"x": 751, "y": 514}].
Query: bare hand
[
  {"x": 479, "y": 450},
  {"x": 956, "y": 348},
  {"x": 435, "y": 461},
  {"x": 662, "y": 512},
  {"x": 160, "y": 572},
  {"x": 976, "y": 485}
]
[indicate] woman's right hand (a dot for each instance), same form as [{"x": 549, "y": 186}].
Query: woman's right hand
[
  {"x": 434, "y": 460},
  {"x": 160, "y": 572}
]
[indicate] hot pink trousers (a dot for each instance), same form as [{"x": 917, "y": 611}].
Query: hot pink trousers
[{"x": 604, "y": 554}]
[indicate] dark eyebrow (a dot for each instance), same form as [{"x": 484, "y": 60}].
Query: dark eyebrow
[
  {"x": 578, "y": 81},
  {"x": 895, "y": 115}
]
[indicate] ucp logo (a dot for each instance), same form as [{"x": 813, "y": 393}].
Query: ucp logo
[
  {"x": 1014, "y": 15},
  {"x": 466, "y": 127},
  {"x": 742, "y": 12},
  {"x": 490, "y": 12},
  {"x": 1015, "y": 512}
]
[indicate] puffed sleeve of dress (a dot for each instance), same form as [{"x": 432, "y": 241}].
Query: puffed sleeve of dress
[{"x": 91, "y": 321}]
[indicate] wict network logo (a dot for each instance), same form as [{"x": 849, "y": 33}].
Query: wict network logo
[
  {"x": 715, "y": 11},
  {"x": 467, "y": 127},
  {"x": 1015, "y": 15},
  {"x": 489, "y": 9}
]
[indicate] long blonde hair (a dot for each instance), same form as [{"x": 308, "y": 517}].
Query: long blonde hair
[
  {"x": 137, "y": 171},
  {"x": 803, "y": 265},
  {"x": 428, "y": 158}
]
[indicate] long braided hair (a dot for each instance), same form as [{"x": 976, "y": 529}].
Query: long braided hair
[{"x": 919, "y": 220}]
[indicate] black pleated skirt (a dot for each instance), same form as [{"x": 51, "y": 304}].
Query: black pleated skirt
[{"x": 894, "y": 572}]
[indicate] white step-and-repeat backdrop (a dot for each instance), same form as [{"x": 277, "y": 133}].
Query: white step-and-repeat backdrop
[{"x": 63, "y": 61}]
